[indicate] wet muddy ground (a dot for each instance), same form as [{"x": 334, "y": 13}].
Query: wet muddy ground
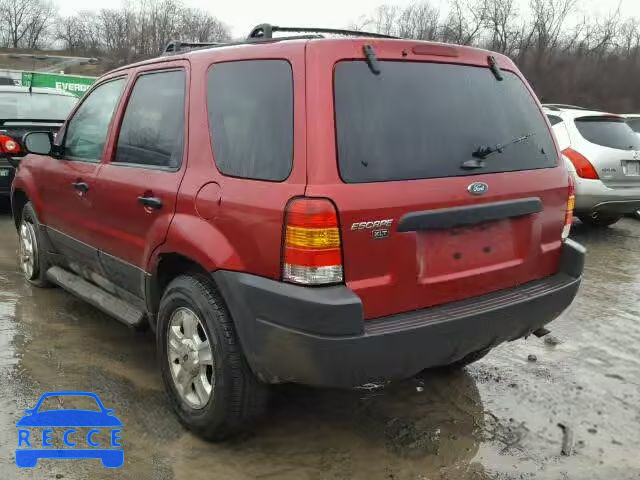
[{"x": 498, "y": 419}]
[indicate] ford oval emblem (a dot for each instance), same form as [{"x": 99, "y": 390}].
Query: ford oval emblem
[{"x": 478, "y": 188}]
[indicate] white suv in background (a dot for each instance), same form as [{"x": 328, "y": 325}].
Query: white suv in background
[{"x": 602, "y": 153}]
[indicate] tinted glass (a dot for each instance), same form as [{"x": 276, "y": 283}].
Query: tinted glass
[
  {"x": 152, "y": 129},
  {"x": 251, "y": 118},
  {"x": 423, "y": 120},
  {"x": 612, "y": 132},
  {"x": 37, "y": 106},
  {"x": 634, "y": 123},
  {"x": 87, "y": 130},
  {"x": 554, "y": 119}
]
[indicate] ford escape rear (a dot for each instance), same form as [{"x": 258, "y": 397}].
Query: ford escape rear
[{"x": 327, "y": 211}]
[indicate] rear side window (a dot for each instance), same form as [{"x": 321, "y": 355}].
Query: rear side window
[
  {"x": 612, "y": 132},
  {"x": 634, "y": 123},
  {"x": 251, "y": 118},
  {"x": 423, "y": 120},
  {"x": 152, "y": 129},
  {"x": 554, "y": 119}
]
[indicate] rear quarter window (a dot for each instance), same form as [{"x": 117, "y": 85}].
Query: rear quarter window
[
  {"x": 554, "y": 119},
  {"x": 423, "y": 120},
  {"x": 634, "y": 123},
  {"x": 251, "y": 118},
  {"x": 606, "y": 131}
]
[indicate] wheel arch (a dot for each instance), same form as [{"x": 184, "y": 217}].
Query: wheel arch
[{"x": 168, "y": 266}]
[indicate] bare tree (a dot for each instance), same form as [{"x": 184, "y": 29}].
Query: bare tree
[
  {"x": 199, "y": 26},
  {"x": 465, "y": 21},
  {"x": 420, "y": 21},
  {"x": 26, "y": 22},
  {"x": 503, "y": 25}
]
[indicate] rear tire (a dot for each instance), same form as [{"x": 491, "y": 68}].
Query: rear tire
[
  {"x": 469, "y": 359},
  {"x": 217, "y": 395},
  {"x": 599, "y": 220},
  {"x": 32, "y": 255}
]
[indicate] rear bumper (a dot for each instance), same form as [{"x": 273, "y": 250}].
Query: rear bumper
[
  {"x": 316, "y": 336},
  {"x": 594, "y": 196}
]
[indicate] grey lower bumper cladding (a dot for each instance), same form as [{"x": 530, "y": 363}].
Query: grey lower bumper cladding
[{"x": 317, "y": 336}]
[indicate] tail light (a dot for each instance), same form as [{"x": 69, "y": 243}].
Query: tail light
[
  {"x": 312, "y": 250},
  {"x": 584, "y": 169},
  {"x": 568, "y": 216},
  {"x": 9, "y": 145}
]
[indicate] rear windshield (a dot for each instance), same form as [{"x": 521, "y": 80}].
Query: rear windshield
[
  {"x": 423, "y": 120},
  {"x": 634, "y": 123},
  {"x": 35, "y": 106},
  {"x": 612, "y": 132}
]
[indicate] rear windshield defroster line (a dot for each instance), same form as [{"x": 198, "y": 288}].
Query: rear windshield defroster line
[{"x": 423, "y": 120}]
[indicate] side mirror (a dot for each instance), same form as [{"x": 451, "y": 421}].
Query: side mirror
[{"x": 40, "y": 143}]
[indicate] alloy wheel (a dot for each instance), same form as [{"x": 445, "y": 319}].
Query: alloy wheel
[
  {"x": 190, "y": 358},
  {"x": 28, "y": 250}
]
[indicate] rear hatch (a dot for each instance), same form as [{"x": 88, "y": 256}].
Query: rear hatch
[
  {"x": 425, "y": 219},
  {"x": 612, "y": 147}
]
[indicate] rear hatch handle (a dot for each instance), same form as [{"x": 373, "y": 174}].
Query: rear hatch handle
[{"x": 445, "y": 218}]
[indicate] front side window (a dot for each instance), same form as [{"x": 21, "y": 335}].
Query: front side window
[
  {"x": 251, "y": 118},
  {"x": 87, "y": 131},
  {"x": 152, "y": 130}
]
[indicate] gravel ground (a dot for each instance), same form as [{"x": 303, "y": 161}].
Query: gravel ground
[{"x": 498, "y": 419}]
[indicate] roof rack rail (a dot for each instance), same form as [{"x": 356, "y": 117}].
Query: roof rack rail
[
  {"x": 175, "y": 46},
  {"x": 263, "y": 33},
  {"x": 563, "y": 105},
  {"x": 266, "y": 31}
]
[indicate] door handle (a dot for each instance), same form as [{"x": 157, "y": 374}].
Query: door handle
[
  {"x": 81, "y": 187},
  {"x": 150, "y": 202}
]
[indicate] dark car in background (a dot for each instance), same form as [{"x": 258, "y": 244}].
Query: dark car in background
[{"x": 22, "y": 110}]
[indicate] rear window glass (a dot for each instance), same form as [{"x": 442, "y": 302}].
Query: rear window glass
[
  {"x": 634, "y": 123},
  {"x": 612, "y": 132},
  {"x": 251, "y": 118},
  {"x": 35, "y": 106},
  {"x": 423, "y": 120}
]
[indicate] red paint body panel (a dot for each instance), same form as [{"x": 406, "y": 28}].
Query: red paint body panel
[
  {"x": 409, "y": 271},
  {"x": 236, "y": 224},
  {"x": 128, "y": 230}
]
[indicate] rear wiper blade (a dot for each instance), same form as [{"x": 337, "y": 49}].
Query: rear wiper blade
[{"x": 484, "y": 151}]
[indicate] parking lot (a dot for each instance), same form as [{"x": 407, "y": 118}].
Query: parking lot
[{"x": 497, "y": 419}]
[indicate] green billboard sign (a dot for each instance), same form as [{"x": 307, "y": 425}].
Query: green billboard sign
[{"x": 71, "y": 83}]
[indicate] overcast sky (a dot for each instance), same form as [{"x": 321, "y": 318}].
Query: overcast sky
[{"x": 242, "y": 15}]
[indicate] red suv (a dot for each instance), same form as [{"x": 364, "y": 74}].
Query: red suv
[{"x": 325, "y": 211}]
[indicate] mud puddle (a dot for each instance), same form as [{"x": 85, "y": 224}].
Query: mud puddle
[{"x": 498, "y": 419}]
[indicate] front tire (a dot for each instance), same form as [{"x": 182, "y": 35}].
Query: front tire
[
  {"x": 599, "y": 220},
  {"x": 208, "y": 381},
  {"x": 32, "y": 254}
]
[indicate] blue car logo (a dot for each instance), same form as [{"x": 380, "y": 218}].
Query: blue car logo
[{"x": 29, "y": 443}]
